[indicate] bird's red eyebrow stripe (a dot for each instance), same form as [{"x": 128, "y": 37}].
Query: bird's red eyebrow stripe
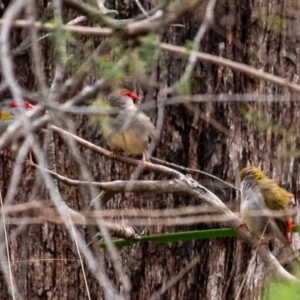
[
  {"x": 132, "y": 95},
  {"x": 24, "y": 104}
]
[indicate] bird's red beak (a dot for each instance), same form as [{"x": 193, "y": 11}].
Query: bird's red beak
[{"x": 133, "y": 96}]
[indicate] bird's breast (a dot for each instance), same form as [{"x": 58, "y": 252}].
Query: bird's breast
[
  {"x": 251, "y": 198},
  {"x": 129, "y": 141}
]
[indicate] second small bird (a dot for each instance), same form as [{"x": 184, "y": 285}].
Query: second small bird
[
  {"x": 129, "y": 129},
  {"x": 10, "y": 111},
  {"x": 262, "y": 193}
]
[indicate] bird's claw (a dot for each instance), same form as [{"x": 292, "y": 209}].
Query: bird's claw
[
  {"x": 113, "y": 154},
  {"x": 262, "y": 241},
  {"x": 143, "y": 164}
]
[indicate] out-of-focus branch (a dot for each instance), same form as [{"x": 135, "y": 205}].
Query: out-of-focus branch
[
  {"x": 96, "y": 31},
  {"x": 137, "y": 217},
  {"x": 99, "y": 16},
  {"x": 155, "y": 22},
  {"x": 158, "y": 20},
  {"x": 243, "y": 68},
  {"x": 189, "y": 170},
  {"x": 197, "y": 40},
  {"x": 121, "y": 186},
  {"x": 250, "y": 71},
  {"x": 36, "y": 50},
  {"x": 100, "y": 201}
]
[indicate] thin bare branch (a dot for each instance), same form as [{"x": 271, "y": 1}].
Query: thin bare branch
[
  {"x": 9, "y": 277},
  {"x": 197, "y": 40},
  {"x": 81, "y": 263},
  {"x": 130, "y": 161},
  {"x": 219, "y": 61},
  {"x": 174, "y": 279}
]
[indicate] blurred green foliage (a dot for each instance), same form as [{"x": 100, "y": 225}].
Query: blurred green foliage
[
  {"x": 278, "y": 289},
  {"x": 261, "y": 123}
]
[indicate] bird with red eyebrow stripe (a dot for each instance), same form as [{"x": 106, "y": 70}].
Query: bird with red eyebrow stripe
[
  {"x": 9, "y": 113},
  {"x": 129, "y": 129}
]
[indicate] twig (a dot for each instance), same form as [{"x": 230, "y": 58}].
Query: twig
[
  {"x": 197, "y": 40},
  {"x": 81, "y": 262},
  {"x": 220, "y": 61},
  {"x": 138, "y": 3},
  {"x": 175, "y": 166},
  {"x": 12, "y": 284},
  {"x": 100, "y": 223},
  {"x": 105, "y": 10},
  {"x": 35, "y": 49},
  {"x": 175, "y": 278},
  {"x": 149, "y": 166},
  {"x": 98, "y": 16}
]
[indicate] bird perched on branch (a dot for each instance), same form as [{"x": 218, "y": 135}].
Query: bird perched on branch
[
  {"x": 259, "y": 192},
  {"x": 10, "y": 111},
  {"x": 129, "y": 129}
]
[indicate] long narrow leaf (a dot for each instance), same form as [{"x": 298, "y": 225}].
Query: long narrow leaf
[{"x": 181, "y": 236}]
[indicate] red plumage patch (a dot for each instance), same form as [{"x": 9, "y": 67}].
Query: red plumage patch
[
  {"x": 289, "y": 225},
  {"x": 288, "y": 240},
  {"x": 132, "y": 95},
  {"x": 289, "y": 229},
  {"x": 25, "y": 104}
]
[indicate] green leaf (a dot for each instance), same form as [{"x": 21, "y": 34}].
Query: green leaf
[
  {"x": 278, "y": 289},
  {"x": 176, "y": 237},
  {"x": 190, "y": 45},
  {"x": 149, "y": 51},
  {"x": 181, "y": 237},
  {"x": 261, "y": 123},
  {"x": 183, "y": 87}
]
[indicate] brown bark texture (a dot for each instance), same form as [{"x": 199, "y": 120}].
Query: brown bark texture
[{"x": 214, "y": 137}]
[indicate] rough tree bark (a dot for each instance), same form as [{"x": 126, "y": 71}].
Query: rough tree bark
[{"x": 257, "y": 33}]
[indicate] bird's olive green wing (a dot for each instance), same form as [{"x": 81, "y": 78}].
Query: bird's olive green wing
[
  {"x": 276, "y": 198},
  {"x": 5, "y": 115}
]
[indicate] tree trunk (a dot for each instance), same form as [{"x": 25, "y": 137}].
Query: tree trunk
[{"x": 213, "y": 137}]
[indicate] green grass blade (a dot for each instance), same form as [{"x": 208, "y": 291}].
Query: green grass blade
[
  {"x": 181, "y": 236},
  {"x": 176, "y": 237}
]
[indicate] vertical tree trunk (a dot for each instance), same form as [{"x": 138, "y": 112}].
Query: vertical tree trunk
[{"x": 212, "y": 137}]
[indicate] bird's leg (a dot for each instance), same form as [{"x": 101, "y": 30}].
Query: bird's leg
[
  {"x": 29, "y": 160},
  {"x": 262, "y": 241},
  {"x": 113, "y": 153},
  {"x": 144, "y": 159}
]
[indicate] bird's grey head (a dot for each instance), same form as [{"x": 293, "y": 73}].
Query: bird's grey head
[{"x": 11, "y": 109}]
